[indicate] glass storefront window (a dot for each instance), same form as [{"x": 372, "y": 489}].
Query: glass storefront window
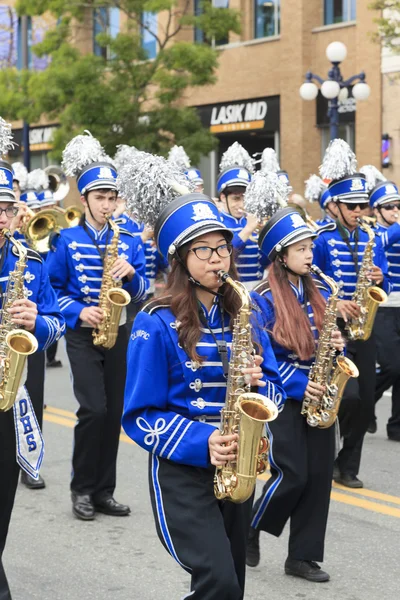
[
  {"x": 267, "y": 15},
  {"x": 346, "y": 133},
  {"x": 339, "y": 11},
  {"x": 149, "y": 43}
]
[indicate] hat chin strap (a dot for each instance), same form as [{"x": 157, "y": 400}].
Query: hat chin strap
[
  {"x": 194, "y": 281},
  {"x": 288, "y": 269},
  {"x": 380, "y": 212},
  {"x": 91, "y": 214},
  {"x": 344, "y": 219}
]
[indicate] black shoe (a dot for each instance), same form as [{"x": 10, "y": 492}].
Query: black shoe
[
  {"x": 372, "y": 427},
  {"x": 109, "y": 506},
  {"x": 308, "y": 569},
  {"x": 31, "y": 483},
  {"x": 54, "y": 363},
  {"x": 350, "y": 481},
  {"x": 82, "y": 506},
  {"x": 394, "y": 438},
  {"x": 253, "y": 548}
]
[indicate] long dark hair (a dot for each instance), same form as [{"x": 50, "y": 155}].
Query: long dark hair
[
  {"x": 181, "y": 295},
  {"x": 292, "y": 328}
]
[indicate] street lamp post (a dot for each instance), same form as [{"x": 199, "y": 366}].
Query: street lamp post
[{"x": 334, "y": 88}]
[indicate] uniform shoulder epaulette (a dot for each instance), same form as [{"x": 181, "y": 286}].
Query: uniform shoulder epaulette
[
  {"x": 126, "y": 232},
  {"x": 34, "y": 255},
  {"x": 327, "y": 227},
  {"x": 156, "y": 303},
  {"x": 262, "y": 288}
]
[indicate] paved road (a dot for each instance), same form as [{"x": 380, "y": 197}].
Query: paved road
[{"x": 52, "y": 556}]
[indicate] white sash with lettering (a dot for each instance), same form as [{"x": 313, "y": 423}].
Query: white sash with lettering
[{"x": 29, "y": 439}]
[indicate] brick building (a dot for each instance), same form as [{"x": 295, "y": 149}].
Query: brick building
[{"x": 256, "y": 98}]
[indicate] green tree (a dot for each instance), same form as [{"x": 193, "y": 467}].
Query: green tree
[
  {"x": 388, "y": 23},
  {"x": 121, "y": 96}
]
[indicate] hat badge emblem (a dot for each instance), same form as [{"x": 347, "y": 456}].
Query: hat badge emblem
[
  {"x": 3, "y": 177},
  {"x": 202, "y": 212},
  {"x": 357, "y": 185},
  {"x": 297, "y": 221},
  {"x": 390, "y": 189},
  {"x": 105, "y": 173}
]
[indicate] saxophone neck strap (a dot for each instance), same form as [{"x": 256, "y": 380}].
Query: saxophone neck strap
[
  {"x": 345, "y": 237},
  {"x": 96, "y": 243},
  {"x": 222, "y": 346}
]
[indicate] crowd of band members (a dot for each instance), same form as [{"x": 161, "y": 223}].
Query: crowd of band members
[{"x": 301, "y": 470}]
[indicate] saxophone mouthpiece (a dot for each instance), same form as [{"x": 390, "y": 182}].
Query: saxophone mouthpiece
[
  {"x": 223, "y": 275},
  {"x": 316, "y": 270}
]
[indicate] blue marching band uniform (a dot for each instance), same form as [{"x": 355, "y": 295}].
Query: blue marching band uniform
[
  {"x": 174, "y": 420},
  {"x": 21, "y": 443},
  {"x": 387, "y": 323}
]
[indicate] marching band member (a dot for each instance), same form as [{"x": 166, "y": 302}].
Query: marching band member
[
  {"x": 182, "y": 341},
  {"x": 339, "y": 254},
  {"x": 316, "y": 190},
  {"x": 20, "y": 179},
  {"x": 385, "y": 201},
  {"x": 21, "y": 442},
  {"x": 292, "y": 307},
  {"x": 75, "y": 264},
  {"x": 236, "y": 169},
  {"x": 178, "y": 157}
]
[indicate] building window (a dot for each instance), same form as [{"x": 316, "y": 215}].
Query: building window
[
  {"x": 149, "y": 30},
  {"x": 339, "y": 11},
  {"x": 267, "y": 18},
  {"x": 199, "y": 36},
  {"x": 105, "y": 20}
]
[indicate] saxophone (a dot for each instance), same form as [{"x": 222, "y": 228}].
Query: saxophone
[
  {"x": 112, "y": 297},
  {"x": 327, "y": 370},
  {"x": 366, "y": 296},
  {"x": 15, "y": 344},
  {"x": 244, "y": 413}
]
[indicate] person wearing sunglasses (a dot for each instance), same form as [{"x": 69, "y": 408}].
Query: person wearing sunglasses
[
  {"x": 339, "y": 253},
  {"x": 385, "y": 201},
  {"x": 183, "y": 342}
]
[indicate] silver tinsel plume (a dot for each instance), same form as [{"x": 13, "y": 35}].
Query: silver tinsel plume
[
  {"x": 178, "y": 157},
  {"x": 314, "y": 188},
  {"x": 124, "y": 155},
  {"x": 236, "y": 156},
  {"x": 81, "y": 151},
  {"x": 372, "y": 175},
  {"x": 269, "y": 161},
  {"x": 38, "y": 180},
  {"x": 339, "y": 161},
  {"x": 6, "y": 137},
  {"x": 149, "y": 184},
  {"x": 265, "y": 194},
  {"x": 20, "y": 174}
]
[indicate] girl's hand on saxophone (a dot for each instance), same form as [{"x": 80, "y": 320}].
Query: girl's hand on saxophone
[
  {"x": 121, "y": 268},
  {"x": 314, "y": 391},
  {"x": 375, "y": 274},
  {"x": 253, "y": 375},
  {"x": 348, "y": 309},
  {"x": 337, "y": 340},
  {"x": 24, "y": 313},
  {"x": 222, "y": 448}
]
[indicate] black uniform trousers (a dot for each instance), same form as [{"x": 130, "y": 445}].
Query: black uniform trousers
[
  {"x": 9, "y": 471},
  {"x": 35, "y": 383},
  {"x": 357, "y": 406},
  {"x": 98, "y": 382},
  {"x": 206, "y": 537},
  {"x": 51, "y": 352},
  {"x": 301, "y": 462},
  {"x": 387, "y": 335}
]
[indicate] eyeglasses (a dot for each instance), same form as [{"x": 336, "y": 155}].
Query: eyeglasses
[
  {"x": 11, "y": 211},
  {"x": 391, "y": 206},
  {"x": 206, "y": 252},
  {"x": 352, "y": 206}
]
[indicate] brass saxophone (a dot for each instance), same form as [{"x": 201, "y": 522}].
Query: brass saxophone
[
  {"x": 327, "y": 370},
  {"x": 368, "y": 297},
  {"x": 244, "y": 413},
  {"x": 15, "y": 344},
  {"x": 112, "y": 297}
]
